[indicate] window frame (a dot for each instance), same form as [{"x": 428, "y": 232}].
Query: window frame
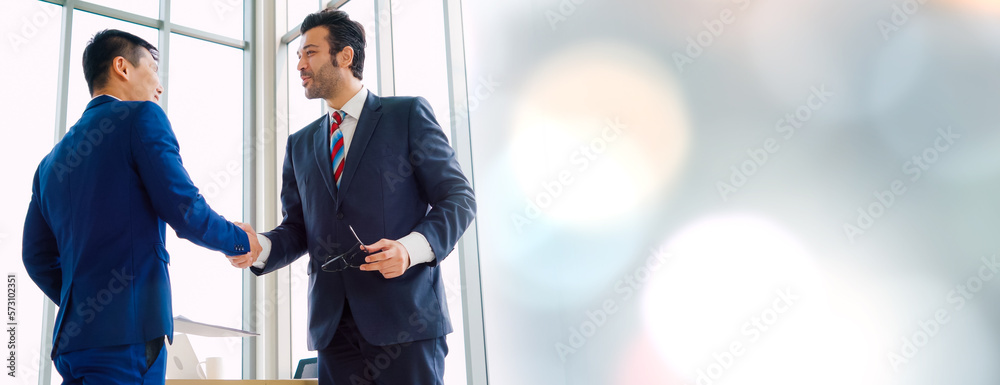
[
  {"x": 165, "y": 28},
  {"x": 468, "y": 245},
  {"x": 265, "y": 93}
]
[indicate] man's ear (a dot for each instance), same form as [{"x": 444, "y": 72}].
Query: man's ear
[
  {"x": 120, "y": 68},
  {"x": 345, "y": 57}
]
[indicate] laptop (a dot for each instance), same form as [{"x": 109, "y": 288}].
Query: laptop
[{"x": 182, "y": 363}]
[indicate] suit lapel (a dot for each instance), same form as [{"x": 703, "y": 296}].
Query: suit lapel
[
  {"x": 362, "y": 134},
  {"x": 321, "y": 148}
]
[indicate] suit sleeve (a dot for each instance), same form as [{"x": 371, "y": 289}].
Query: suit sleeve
[
  {"x": 453, "y": 203},
  {"x": 288, "y": 240},
  {"x": 39, "y": 250},
  {"x": 174, "y": 196}
]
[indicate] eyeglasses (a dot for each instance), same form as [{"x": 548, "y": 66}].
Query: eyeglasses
[{"x": 354, "y": 257}]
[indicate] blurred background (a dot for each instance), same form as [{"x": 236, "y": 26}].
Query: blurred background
[{"x": 670, "y": 192}]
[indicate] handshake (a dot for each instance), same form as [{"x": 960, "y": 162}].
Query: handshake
[
  {"x": 246, "y": 260},
  {"x": 388, "y": 257}
]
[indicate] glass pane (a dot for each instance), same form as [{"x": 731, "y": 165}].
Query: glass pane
[
  {"x": 363, "y": 11},
  {"x": 298, "y": 9},
  {"x": 30, "y": 64},
  {"x": 421, "y": 70},
  {"x": 419, "y": 55},
  {"x": 223, "y": 17},
  {"x": 85, "y": 26},
  {"x": 208, "y": 121},
  {"x": 148, "y": 8}
]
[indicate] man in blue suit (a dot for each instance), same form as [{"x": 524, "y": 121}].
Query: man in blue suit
[
  {"x": 383, "y": 167},
  {"x": 94, "y": 232}
]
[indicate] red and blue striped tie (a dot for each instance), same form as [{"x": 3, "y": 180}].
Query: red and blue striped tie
[{"x": 337, "y": 146}]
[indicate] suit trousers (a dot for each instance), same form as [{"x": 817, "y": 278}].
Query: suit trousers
[
  {"x": 350, "y": 360},
  {"x": 136, "y": 364}
]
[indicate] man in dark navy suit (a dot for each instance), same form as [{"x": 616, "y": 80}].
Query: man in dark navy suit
[
  {"x": 94, "y": 232},
  {"x": 383, "y": 167}
]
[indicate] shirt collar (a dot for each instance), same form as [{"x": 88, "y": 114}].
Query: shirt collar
[
  {"x": 110, "y": 96},
  {"x": 354, "y": 106}
]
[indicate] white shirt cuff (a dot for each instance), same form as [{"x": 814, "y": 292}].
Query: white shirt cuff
[
  {"x": 418, "y": 248},
  {"x": 265, "y": 245}
]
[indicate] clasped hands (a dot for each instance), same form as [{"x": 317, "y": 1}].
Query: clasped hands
[
  {"x": 386, "y": 256},
  {"x": 246, "y": 260}
]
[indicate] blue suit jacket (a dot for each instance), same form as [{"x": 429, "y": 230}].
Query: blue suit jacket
[
  {"x": 400, "y": 176},
  {"x": 94, "y": 233}
]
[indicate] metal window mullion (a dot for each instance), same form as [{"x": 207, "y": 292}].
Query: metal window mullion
[
  {"x": 119, "y": 14},
  {"x": 273, "y": 344},
  {"x": 156, "y": 23},
  {"x": 278, "y": 96},
  {"x": 164, "y": 48},
  {"x": 383, "y": 48},
  {"x": 468, "y": 245},
  {"x": 208, "y": 36},
  {"x": 291, "y": 35},
  {"x": 62, "y": 102},
  {"x": 251, "y": 199}
]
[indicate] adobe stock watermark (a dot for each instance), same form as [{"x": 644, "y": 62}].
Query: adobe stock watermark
[
  {"x": 786, "y": 127},
  {"x": 957, "y": 298},
  {"x": 384, "y": 16},
  {"x": 31, "y": 25},
  {"x": 562, "y": 11},
  {"x": 625, "y": 289},
  {"x": 88, "y": 308},
  {"x": 901, "y": 13},
  {"x": 27, "y": 368},
  {"x": 453, "y": 289},
  {"x": 752, "y": 330},
  {"x": 223, "y": 178},
  {"x": 93, "y": 138},
  {"x": 224, "y": 7},
  {"x": 553, "y": 188},
  {"x": 408, "y": 164},
  {"x": 714, "y": 29},
  {"x": 220, "y": 180},
  {"x": 483, "y": 90},
  {"x": 374, "y": 367},
  {"x": 885, "y": 199}
]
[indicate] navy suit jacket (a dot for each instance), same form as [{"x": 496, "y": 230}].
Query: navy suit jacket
[
  {"x": 94, "y": 233},
  {"x": 400, "y": 175}
]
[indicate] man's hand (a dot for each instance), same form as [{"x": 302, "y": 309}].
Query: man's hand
[
  {"x": 388, "y": 257},
  {"x": 246, "y": 260}
]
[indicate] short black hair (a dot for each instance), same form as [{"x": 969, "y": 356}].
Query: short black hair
[
  {"x": 343, "y": 32},
  {"x": 104, "y": 47}
]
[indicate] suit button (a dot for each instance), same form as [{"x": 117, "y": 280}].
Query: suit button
[{"x": 340, "y": 215}]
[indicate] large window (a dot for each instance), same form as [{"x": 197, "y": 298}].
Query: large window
[
  {"x": 302, "y": 111},
  {"x": 29, "y": 110},
  {"x": 206, "y": 110},
  {"x": 418, "y": 52},
  {"x": 206, "y": 70},
  {"x": 205, "y": 104}
]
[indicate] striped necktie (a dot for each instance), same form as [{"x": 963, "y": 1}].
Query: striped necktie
[{"x": 337, "y": 146}]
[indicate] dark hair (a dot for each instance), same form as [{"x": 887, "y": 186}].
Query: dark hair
[
  {"x": 343, "y": 32},
  {"x": 104, "y": 47}
]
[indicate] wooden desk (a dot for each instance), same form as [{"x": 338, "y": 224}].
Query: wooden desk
[{"x": 240, "y": 382}]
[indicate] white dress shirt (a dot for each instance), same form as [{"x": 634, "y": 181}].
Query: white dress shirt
[
  {"x": 416, "y": 244},
  {"x": 116, "y": 98}
]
